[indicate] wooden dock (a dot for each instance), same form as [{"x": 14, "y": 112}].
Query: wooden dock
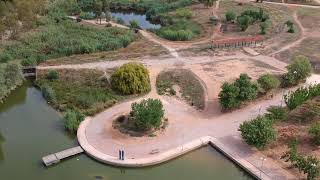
[{"x": 57, "y": 157}]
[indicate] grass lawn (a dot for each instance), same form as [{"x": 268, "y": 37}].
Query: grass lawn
[
  {"x": 87, "y": 91},
  {"x": 189, "y": 86}
]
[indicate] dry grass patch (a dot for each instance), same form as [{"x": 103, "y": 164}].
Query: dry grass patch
[
  {"x": 184, "y": 83},
  {"x": 309, "y": 18},
  {"x": 309, "y": 48}
]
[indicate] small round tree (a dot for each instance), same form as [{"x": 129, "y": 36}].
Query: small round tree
[
  {"x": 147, "y": 114},
  {"x": 298, "y": 71},
  {"x": 258, "y": 132},
  {"x": 131, "y": 78},
  {"x": 230, "y": 15},
  {"x": 268, "y": 82}
]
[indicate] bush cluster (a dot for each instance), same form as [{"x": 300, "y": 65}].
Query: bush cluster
[
  {"x": 277, "y": 113},
  {"x": 298, "y": 71},
  {"x": 268, "y": 82},
  {"x": 10, "y": 77},
  {"x": 309, "y": 165},
  {"x": 301, "y": 95},
  {"x": 147, "y": 114},
  {"x": 48, "y": 93},
  {"x": 184, "y": 13},
  {"x": 87, "y": 15},
  {"x": 72, "y": 120},
  {"x": 131, "y": 78},
  {"x": 249, "y": 17},
  {"x": 234, "y": 94},
  {"x": 52, "y": 75},
  {"x": 258, "y": 132}
]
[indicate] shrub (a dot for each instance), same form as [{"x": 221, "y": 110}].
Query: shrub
[
  {"x": 131, "y": 78},
  {"x": 244, "y": 22},
  {"x": 276, "y": 113},
  {"x": 259, "y": 132},
  {"x": 147, "y": 114},
  {"x": 87, "y": 15},
  {"x": 72, "y": 120},
  {"x": 308, "y": 165},
  {"x": 184, "y": 13},
  {"x": 134, "y": 24},
  {"x": 48, "y": 93},
  {"x": 314, "y": 132},
  {"x": 28, "y": 62},
  {"x": 52, "y": 75},
  {"x": 228, "y": 97},
  {"x": 298, "y": 71},
  {"x": 248, "y": 90},
  {"x": 268, "y": 82},
  {"x": 263, "y": 27},
  {"x": 119, "y": 20},
  {"x": 290, "y": 26},
  {"x": 296, "y": 98},
  {"x": 230, "y": 15}
]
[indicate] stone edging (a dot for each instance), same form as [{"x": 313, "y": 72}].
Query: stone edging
[{"x": 167, "y": 155}]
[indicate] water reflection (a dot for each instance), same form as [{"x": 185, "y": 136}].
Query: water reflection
[
  {"x": 16, "y": 97},
  {"x": 140, "y": 18}
]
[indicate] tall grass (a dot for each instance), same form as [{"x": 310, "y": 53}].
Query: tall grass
[{"x": 53, "y": 40}]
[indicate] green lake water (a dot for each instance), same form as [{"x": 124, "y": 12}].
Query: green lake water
[{"x": 30, "y": 129}]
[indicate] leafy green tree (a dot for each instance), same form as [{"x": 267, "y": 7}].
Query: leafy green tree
[
  {"x": 244, "y": 22},
  {"x": 268, "y": 82},
  {"x": 259, "y": 132},
  {"x": 314, "y": 132},
  {"x": 230, "y": 15},
  {"x": 72, "y": 120},
  {"x": 131, "y": 78},
  {"x": 248, "y": 90},
  {"x": 263, "y": 27},
  {"x": 290, "y": 26},
  {"x": 147, "y": 114},
  {"x": 298, "y": 71},
  {"x": 228, "y": 97}
]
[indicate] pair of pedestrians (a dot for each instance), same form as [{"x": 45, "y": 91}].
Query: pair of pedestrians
[{"x": 121, "y": 154}]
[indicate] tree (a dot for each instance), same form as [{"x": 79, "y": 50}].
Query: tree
[
  {"x": 228, "y": 97},
  {"x": 290, "y": 26},
  {"x": 147, "y": 114},
  {"x": 258, "y": 132},
  {"x": 131, "y": 78},
  {"x": 263, "y": 27},
  {"x": 244, "y": 22},
  {"x": 248, "y": 90},
  {"x": 72, "y": 120},
  {"x": 230, "y": 15},
  {"x": 298, "y": 71},
  {"x": 268, "y": 82}
]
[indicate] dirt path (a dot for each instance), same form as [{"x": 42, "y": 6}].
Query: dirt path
[
  {"x": 297, "y": 42},
  {"x": 290, "y": 5}
]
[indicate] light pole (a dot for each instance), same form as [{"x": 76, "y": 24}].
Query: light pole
[{"x": 262, "y": 160}]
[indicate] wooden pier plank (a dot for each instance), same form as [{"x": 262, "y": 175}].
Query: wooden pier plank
[{"x": 57, "y": 157}]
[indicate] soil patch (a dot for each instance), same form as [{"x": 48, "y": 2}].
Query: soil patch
[
  {"x": 191, "y": 89},
  {"x": 126, "y": 125}
]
